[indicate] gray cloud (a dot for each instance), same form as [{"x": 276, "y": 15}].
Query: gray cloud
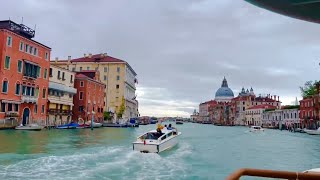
[{"x": 181, "y": 49}]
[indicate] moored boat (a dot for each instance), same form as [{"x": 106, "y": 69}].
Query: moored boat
[
  {"x": 179, "y": 122},
  {"x": 71, "y": 125},
  {"x": 29, "y": 127},
  {"x": 156, "y": 142},
  {"x": 312, "y": 132},
  {"x": 256, "y": 129}
]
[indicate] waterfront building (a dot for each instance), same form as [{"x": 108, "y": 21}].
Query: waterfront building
[
  {"x": 253, "y": 115},
  {"x": 204, "y": 111},
  {"x": 195, "y": 116},
  {"x": 220, "y": 111},
  {"x": 117, "y": 74},
  {"x": 247, "y": 99},
  {"x": 90, "y": 98},
  {"x": 24, "y": 66},
  {"x": 287, "y": 116},
  {"x": 309, "y": 107},
  {"x": 60, "y": 98}
]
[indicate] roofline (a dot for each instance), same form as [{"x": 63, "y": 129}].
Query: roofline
[
  {"x": 27, "y": 38},
  {"x": 135, "y": 74},
  {"x": 90, "y": 79},
  {"x": 62, "y": 68}
]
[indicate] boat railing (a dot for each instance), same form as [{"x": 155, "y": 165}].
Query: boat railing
[{"x": 273, "y": 174}]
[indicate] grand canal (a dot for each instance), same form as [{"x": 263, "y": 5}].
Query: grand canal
[{"x": 204, "y": 152}]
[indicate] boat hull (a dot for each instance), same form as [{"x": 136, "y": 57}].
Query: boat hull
[
  {"x": 29, "y": 128},
  {"x": 151, "y": 147},
  {"x": 312, "y": 132}
]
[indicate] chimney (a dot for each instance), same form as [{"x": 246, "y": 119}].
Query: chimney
[
  {"x": 56, "y": 59},
  {"x": 90, "y": 55},
  {"x": 278, "y": 98},
  {"x": 84, "y": 55},
  {"x": 275, "y": 97},
  {"x": 69, "y": 58}
]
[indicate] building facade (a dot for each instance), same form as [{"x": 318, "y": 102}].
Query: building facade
[
  {"x": 309, "y": 106},
  {"x": 24, "y": 66},
  {"x": 287, "y": 116},
  {"x": 254, "y": 114},
  {"x": 118, "y": 75},
  {"x": 60, "y": 98},
  {"x": 89, "y": 101}
]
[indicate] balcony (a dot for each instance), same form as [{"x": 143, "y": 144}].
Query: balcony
[
  {"x": 29, "y": 99},
  {"x": 59, "y": 112},
  {"x": 11, "y": 114}
]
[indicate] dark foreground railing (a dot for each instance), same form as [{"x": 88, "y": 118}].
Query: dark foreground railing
[{"x": 273, "y": 174}]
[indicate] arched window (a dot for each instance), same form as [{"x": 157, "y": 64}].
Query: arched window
[{"x": 5, "y": 86}]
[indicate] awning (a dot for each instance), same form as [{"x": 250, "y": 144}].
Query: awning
[
  {"x": 60, "y": 102},
  {"x": 61, "y": 87},
  {"x": 11, "y": 101}
]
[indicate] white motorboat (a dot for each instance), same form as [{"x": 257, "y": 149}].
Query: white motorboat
[
  {"x": 312, "y": 132},
  {"x": 95, "y": 124},
  {"x": 316, "y": 170},
  {"x": 156, "y": 142},
  {"x": 29, "y": 127},
  {"x": 256, "y": 129}
]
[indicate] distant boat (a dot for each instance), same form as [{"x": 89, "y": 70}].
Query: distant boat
[
  {"x": 256, "y": 129},
  {"x": 68, "y": 126},
  {"x": 29, "y": 127}
]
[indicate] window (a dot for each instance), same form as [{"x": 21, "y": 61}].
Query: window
[
  {"x": 81, "y": 96},
  {"x": 38, "y": 71},
  {"x": 35, "y": 52},
  {"x": 46, "y": 56},
  {"x": 63, "y": 76},
  {"x": 5, "y": 86},
  {"x": 31, "y": 49},
  {"x": 80, "y": 108},
  {"x": 73, "y": 69},
  {"x": 7, "y": 62},
  {"x": 30, "y": 70},
  {"x": 243, "y": 108},
  {"x": 42, "y": 109},
  {"x": 118, "y": 69},
  {"x": 26, "y": 48},
  {"x": 35, "y": 109},
  {"x": 59, "y": 75},
  {"x": 81, "y": 83},
  {"x": 9, "y": 41},
  {"x": 19, "y": 66},
  {"x": 105, "y": 78},
  {"x": 50, "y": 72},
  {"x": 118, "y": 78},
  {"x": 70, "y": 95},
  {"x": 3, "y": 107},
  {"x": 80, "y": 68},
  {"x": 117, "y": 86},
  {"x": 44, "y": 91},
  {"x": 88, "y": 68},
  {"x": 105, "y": 69},
  {"x": 45, "y": 73},
  {"x": 18, "y": 86},
  {"x": 9, "y": 107},
  {"x": 21, "y": 46},
  {"x": 295, "y": 115},
  {"x": 71, "y": 79},
  {"x": 16, "y": 107}
]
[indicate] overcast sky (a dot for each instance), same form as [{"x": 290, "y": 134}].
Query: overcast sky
[{"x": 181, "y": 49}]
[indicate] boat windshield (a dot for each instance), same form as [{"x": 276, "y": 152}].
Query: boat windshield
[
  {"x": 256, "y": 127},
  {"x": 152, "y": 135}
]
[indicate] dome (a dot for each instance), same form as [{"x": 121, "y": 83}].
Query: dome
[{"x": 224, "y": 93}]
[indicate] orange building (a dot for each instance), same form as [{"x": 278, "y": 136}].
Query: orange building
[
  {"x": 90, "y": 97},
  {"x": 24, "y": 65}
]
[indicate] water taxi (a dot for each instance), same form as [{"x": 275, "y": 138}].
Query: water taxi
[
  {"x": 155, "y": 141},
  {"x": 256, "y": 129}
]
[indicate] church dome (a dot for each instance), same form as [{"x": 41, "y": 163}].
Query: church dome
[{"x": 224, "y": 93}]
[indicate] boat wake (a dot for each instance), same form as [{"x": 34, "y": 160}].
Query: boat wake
[{"x": 101, "y": 163}]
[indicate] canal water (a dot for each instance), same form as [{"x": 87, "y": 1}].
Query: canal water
[{"x": 203, "y": 152}]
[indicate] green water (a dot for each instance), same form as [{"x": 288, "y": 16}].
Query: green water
[{"x": 203, "y": 152}]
